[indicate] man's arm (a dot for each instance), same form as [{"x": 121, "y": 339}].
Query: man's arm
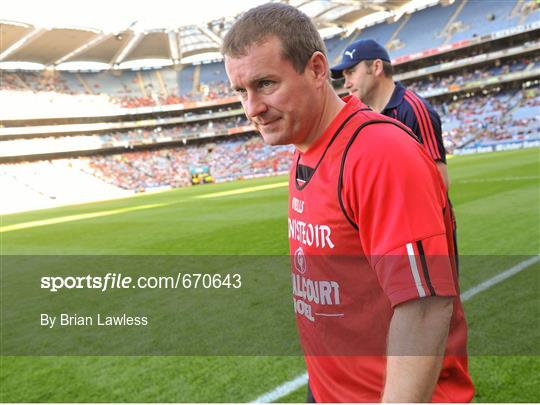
[
  {"x": 443, "y": 169},
  {"x": 425, "y": 122},
  {"x": 400, "y": 217},
  {"x": 416, "y": 345}
]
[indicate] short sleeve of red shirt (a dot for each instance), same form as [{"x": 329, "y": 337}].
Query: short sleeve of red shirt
[{"x": 393, "y": 193}]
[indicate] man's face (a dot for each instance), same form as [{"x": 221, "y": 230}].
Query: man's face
[
  {"x": 276, "y": 98},
  {"x": 360, "y": 81}
]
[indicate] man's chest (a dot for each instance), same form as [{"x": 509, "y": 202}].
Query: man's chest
[{"x": 316, "y": 223}]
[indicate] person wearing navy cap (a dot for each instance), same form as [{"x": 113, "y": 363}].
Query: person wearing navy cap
[{"x": 367, "y": 69}]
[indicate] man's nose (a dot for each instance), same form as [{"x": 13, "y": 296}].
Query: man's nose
[{"x": 254, "y": 106}]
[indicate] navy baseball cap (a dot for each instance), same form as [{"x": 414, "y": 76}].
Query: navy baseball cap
[{"x": 363, "y": 49}]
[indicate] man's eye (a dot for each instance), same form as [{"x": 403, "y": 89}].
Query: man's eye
[
  {"x": 265, "y": 83},
  {"x": 240, "y": 92}
]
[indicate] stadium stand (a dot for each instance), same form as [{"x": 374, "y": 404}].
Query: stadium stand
[
  {"x": 12, "y": 81},
  {"x": 213, "y": 73},
  {"x": 335, "y": 46},
  {"x": 380, "y": 32},
  {"x": 510, "y": 115},
  {"x": 478, "y": 18},
  {"x": 141, "y": 136},
  {"x": 534, "y": 15},
  {"x": 75, "y": 85},
  {"x": 46, "y": 184},
  {"x": 47, "y": 81},
  {"x": 152, "y": 82},
  {"x": 422, "y": 30},
  {"x": 481, "y": 119},
  {"x": 105, "y": 82},
  {"x": 207, "y": 130},
  {"x": 242, "y": 157},
  {"x": 468, "y": 75},
  {"x": 169, "y": 77},
  {"x": 185, "y": 80}
]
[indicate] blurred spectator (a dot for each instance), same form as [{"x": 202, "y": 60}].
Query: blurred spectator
[
  {"x": 507, "y": 115},
  {"x": 244, "y": 156}
]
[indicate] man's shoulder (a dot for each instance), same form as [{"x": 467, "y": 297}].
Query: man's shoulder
[
  {"x": 381, "y": 137},
  {"x": 382, "y": 152},
  {"x": 414, "y": 103}
]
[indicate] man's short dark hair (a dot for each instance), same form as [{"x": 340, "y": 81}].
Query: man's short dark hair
[
  {"x": 388, "y": 70},
  {"x": 298, "y": 35}
]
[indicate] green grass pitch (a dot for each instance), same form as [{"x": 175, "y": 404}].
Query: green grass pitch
[{"x": 497, "y": 201}]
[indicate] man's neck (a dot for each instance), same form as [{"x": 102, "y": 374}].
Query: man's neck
[
  {"x": 383, "y": 95},
  {"x": 332, "y": 105}
]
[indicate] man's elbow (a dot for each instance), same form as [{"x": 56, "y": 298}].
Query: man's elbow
[
  {"x": 438, "y": 313},
  {"x": 430, "y": 312},
  {"x": 420, "y": 327}
]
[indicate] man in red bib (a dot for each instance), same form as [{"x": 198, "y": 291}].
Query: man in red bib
[{"x": 375, "y": 284}]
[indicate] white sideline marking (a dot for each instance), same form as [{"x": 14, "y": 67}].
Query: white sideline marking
[
  {"x": 499, "y": 278},
  {"x": 283, "y": 390},
  {"x": 78, "y": 217},
  {"x": 292, "y": 385}
]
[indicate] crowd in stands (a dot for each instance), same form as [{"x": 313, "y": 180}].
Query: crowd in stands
[
  {"x": 36, "y": 81},
  {"x": 207, "y": 92},
  {"x": 215, "y": 90},
  {"x": 508, "y": 115},
  {"x": 415, "y": 32},
  {"x": 126, "y": 138},
  {"x": 466, "y": 76},
  {"x": 134, "y": 102},
  {"x": 11, "y": 82},
  {"x": 126, "y": 97},
  {"x": 159, "y": 134},
  {"x": 219, "y": 89},
  {"x": 227, "y": 159},
  {"x": 142, "y": 170},
  {"x": 470, "y": 119}
]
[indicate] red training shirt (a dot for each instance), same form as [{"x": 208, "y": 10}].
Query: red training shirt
[{"x": 369, "y": 228}]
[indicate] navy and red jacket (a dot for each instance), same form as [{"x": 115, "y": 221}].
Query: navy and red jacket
[{"x": 416, "y": 113}]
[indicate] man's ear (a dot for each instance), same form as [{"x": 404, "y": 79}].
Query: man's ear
[
  {"x": 378, "y": 67},
  {"x": 318, "y": 68}
]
